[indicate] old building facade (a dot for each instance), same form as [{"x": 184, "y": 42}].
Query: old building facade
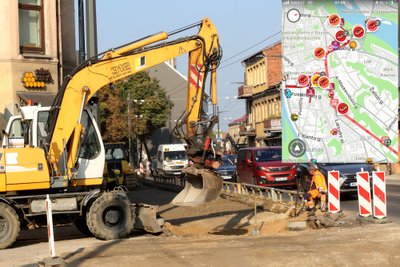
[
  {"x": 261, "y": 91},
  {"x": 38, "y": 42}
]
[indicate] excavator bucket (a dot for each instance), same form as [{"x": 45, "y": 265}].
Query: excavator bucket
[{"x": 202, "y": 186}]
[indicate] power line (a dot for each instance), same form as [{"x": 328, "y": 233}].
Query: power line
[{"x": 247, "y": 49}]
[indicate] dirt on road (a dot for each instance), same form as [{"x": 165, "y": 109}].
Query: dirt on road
[{"x": 221, "y": 233}]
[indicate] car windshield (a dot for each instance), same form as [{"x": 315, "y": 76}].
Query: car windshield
[
  {"x": 175, "y": 155},
  {"x": 268, "y": 155},
  {"x": 226, "y": 162}
]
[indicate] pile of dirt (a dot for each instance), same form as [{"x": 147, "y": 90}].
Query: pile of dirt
[{"x": 222, "y": 217}]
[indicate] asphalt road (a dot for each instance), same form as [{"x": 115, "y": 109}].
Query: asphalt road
[
  {"x": 349, "y": 202},
  {"x": 366, "y": 245}
]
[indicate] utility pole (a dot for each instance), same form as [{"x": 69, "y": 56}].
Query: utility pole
[
  {"x": 138, "y": 116},
  {"x": 91, "y": 45},
  {"x": 218, "y": 122},
  {"x": 169, "y": 121},
  {"x": 130, "y": 129},
  {"x": 81, "y": 21}
]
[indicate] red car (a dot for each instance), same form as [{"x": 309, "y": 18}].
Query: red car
[{"x": 263, "y": 166}]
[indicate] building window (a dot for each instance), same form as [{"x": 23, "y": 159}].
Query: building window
[{"x": 31, "y": 32}]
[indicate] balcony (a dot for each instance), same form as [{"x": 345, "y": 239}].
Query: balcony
[
  {"x": 245, "y": 91},
  {"x": 273, "y": 124},
  {"x": 247, "y": 130}
]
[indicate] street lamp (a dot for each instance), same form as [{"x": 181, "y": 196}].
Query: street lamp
[
  {"x": 138, "y": 102},
  {"x": 130, "y": 130}
]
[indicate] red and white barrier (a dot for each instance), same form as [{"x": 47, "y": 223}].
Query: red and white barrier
[
  {"x": 364, "y": 194},
  {"x": 50, "y": 230},
  {"x": 379, "y": 194},
  {"x": 333, "y": 192}
]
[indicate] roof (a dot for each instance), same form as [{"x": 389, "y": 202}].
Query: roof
[
  {"x": 240, "y": 120},
  {"x": 44, "y": 98},
  {"x": 261, "y": 51}
]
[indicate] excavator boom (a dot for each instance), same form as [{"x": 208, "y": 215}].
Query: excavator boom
[{"x": 65, "y": 127}]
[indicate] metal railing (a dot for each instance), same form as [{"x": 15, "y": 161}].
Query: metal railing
[
  {"x": 279, "y": 195},
  {"x": 177, "y": 181}
]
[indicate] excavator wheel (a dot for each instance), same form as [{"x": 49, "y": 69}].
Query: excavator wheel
[
  {"x": 81, "y": 224},
  {"x": 202, "y": 186},
  {"x": 9, "y": 226},
  {"x": 110, "y": 216}
]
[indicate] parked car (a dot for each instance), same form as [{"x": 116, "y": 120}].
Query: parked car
[
  {"x": 347, "y": 172},
  {"x": 227, "y": 170},
  {"x": 263, "y": 166},
  {"x": 232, "y": 157}
]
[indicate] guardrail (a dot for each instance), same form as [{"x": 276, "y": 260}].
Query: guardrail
[
  {"x": 282, "y": 196},
  {"x": 177, "y": 181},
  {"x": 278, "y": 195}
]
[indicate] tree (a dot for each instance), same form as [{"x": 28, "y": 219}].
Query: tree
[
  {"x": 113, "y": 115},
  {"x": 149, "y": 111}
]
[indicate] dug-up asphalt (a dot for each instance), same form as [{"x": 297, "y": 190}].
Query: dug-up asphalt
[{"x": 221, "y": 233}]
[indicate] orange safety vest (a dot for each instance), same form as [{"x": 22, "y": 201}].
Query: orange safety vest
[{"x": 318, "y": 180}]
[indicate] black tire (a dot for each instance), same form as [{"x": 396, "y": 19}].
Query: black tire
[
  {"x": 110, "y": 216},
  {"x": 81, "y": 224},
  {"x": 9, "y": 226},
  {"x": 130, "y": 181}
]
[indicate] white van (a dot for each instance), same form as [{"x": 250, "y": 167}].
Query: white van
[{"x": 171, "y": 159}]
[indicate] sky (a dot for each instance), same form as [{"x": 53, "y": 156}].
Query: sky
[{"x": 244, "y": 28}]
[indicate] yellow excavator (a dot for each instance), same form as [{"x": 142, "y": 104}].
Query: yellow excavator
[{"x": 58, "y": 150}]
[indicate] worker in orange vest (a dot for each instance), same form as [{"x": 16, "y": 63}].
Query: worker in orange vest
[{"x": 317, "y": 188}]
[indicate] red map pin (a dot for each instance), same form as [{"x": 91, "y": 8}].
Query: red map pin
[
  {"x": 342, "y": 108},
  {"x": 358, "y": 31},
  {"x": 319, "y": 53},
  {"x": 303, "y": 80},
  {"x": 323, "y": 82},
  {"x": 372, "y": 25},
  {"x": 340, "y": 36},
  {"x": 334, "y": 20}
]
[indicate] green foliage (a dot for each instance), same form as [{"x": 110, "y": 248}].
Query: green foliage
[{"x": 149, "y": 110}]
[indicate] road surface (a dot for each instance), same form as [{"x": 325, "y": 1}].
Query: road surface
[
  {"x": 220, "y": 233},
  {"x": 349, "y": 202}
]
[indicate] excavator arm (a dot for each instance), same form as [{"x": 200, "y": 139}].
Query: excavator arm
[{"x": 204, "y": 52}]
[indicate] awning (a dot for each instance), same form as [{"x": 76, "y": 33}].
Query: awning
[{"x": 43, "y": 98}]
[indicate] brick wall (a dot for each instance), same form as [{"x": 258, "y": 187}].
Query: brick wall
[{"x": 274, "y": 64}]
